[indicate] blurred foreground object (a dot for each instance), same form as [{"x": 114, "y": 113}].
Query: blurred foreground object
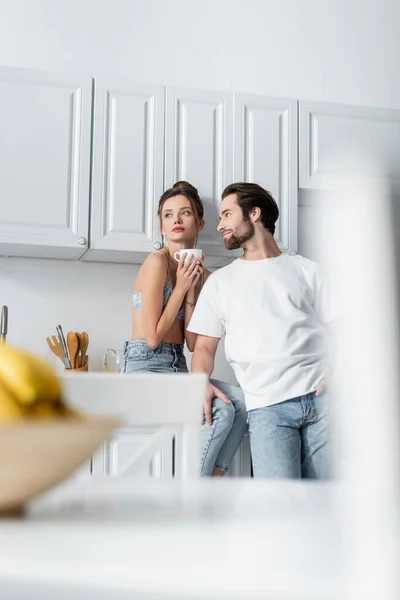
[
  {"x": 29, "y": 387},
  {"x": 361, "y": 224},
  {"x": 42, "y": 440}
]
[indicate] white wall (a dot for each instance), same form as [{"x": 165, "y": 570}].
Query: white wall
[
  {"x": 92, "y": 297},
  {"x": 334, "y": 50}
]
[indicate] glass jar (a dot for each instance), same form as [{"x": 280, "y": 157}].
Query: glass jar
[{"x": 112, "y": 360}]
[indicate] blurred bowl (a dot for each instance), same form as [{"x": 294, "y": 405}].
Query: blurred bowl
[{"x": 36, "y": 455}]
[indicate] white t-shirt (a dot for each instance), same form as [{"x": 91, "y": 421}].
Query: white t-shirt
[{"x": 272, "y": 312}]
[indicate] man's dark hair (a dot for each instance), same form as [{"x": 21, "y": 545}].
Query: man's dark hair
[{"x": 252, "y": 195}]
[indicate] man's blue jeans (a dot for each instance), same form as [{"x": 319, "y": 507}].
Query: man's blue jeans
[{"x": 291, "y": 439}]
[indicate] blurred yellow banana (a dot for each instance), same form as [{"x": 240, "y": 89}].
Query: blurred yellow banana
[
  {"x": 29, "y": 378},
  {"x": 29, "y": 388},
  {"x": 10, "y": 410}
]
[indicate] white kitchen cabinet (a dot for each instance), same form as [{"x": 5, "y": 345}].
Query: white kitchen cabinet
[
  {"x": 265, "y": 152},
  {"x": 67, "y": 141},
  {"x": 45, "y": 122},
  {"x": 337, "y": 142},
  {"x": 126, "y": 443},
  {"x": 199, "y": 149},
  {"x": 127, "y": 172},
  {"x": 114, "y": 456}
]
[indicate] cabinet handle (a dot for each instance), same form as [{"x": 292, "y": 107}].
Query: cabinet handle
[
  {"x": 157, "y": 246},
  {"x": 82, "y": 241}
]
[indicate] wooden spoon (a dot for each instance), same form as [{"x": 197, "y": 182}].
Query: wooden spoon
[
  {"x": 73, "y": 348},
  {"x": 84, "y": 343},
  {"x": 78, "y": 335}
]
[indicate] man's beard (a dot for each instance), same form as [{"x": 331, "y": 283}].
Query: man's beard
[{"x": 244, "y": 233}]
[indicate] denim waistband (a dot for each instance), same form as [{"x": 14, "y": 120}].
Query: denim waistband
[{"x": 162, "y": 348}]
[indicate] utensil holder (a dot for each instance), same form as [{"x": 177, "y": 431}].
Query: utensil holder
[{"x": 81, "y": 368}]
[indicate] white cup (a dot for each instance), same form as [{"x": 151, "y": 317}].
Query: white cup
[{"x": 196, "y": 252}]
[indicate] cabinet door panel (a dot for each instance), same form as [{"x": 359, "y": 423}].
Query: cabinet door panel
[
  {"x": 128, "y": 166},
  {"x": 266, "y": 153},
  {"x": 45, "y": 121},
  {"x": 114, "y": 459},
  {"x": 339, "y": 141},
  {"x": 199, "y": 149}
]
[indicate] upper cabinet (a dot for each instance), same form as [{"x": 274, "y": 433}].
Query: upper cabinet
[
  {"x": 339, "y": 141},
  {"x": 67, "y": 142},
  {"x": 45, "y": 122},
  {"x": 266, "y": 153},
  {"x": 84, "y": 162},
  {"x": 127, "y": 179},
  {"x": 199, "y": 149}
]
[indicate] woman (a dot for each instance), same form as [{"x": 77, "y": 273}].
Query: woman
[{"x": 164, "y": 298}]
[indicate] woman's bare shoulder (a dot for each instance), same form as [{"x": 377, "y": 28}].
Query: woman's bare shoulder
[
  {"x": 154, "y": 268},
  {"x": 155, "y": 259}
]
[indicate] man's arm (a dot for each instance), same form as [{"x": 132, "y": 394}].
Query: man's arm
[
  {"x": 204, "y": 354},
  {"x": 203, "y": 360}
]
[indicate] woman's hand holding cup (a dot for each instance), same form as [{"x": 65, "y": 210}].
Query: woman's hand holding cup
[{"x": 190, "y": 268}]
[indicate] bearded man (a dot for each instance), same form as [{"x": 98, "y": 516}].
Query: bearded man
[{"x": 274, "y": 310}]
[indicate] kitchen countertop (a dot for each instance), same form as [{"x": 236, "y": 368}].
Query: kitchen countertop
[{"x": 232, "y": 538}]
